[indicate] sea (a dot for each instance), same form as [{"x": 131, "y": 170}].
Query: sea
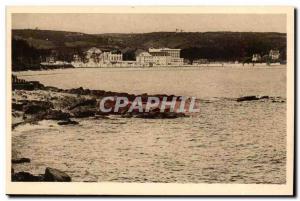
[{"x": 226, "y": 142}]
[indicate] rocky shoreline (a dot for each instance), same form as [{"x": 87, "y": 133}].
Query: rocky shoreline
[
  {"x": 33, "y": 102},
  {"x": 50, "y": 175}
]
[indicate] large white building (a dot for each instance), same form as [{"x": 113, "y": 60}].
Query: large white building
[
  {"x": 160, "y": 57},
  {"x": 175, "y": 53}
]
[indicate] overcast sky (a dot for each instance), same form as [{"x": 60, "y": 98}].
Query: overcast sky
[{"x": 141, "y": 23}]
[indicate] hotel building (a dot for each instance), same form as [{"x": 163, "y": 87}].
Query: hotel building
[{"x": 160, "y": 57}]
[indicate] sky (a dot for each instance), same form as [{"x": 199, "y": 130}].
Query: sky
[{"x": 143, "y": 23}]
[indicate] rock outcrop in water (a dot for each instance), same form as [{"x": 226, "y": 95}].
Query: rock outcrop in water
[
  {"x": 21, "y": 160},
  {"x": 247, "y": 98},
  {"x": 26, "y": 177},
  {"x": 67, "y": 122},
  {"x": 33, "y": 102},
  {"x": 50, "y": 175},
  {"x": 255, "y": 98}
]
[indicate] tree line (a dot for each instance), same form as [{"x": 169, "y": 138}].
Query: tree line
[{"x": 211, "y": 46}]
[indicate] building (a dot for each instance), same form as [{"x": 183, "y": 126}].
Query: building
[
  {"x": 177, "y": 61},
  {"x": 256, "y": 57},
  {"x": 94, "y": 57},
  {"x": 93, "y": 51},
  {"x": 166, "y": 56},
  {"x": 274, "y": 54},
  {"x": 160, "y": 58},
  {"x": 144, "y": 59},
  {"x": 114, "y": 57},
  {"x": 175, "y": 53},
  {"x": 109, "y": 57}
]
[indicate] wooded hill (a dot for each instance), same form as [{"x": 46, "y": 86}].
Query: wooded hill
[{"x": 30, "y": 45}]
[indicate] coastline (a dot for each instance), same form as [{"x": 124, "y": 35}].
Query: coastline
[
  {"x": 169, "y": 67},
  {"x": 33, "y": 102}
]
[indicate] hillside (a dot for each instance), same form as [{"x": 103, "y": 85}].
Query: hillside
[{"x": 215, "y": 46}]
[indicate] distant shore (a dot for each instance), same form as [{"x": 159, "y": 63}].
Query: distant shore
[
  {"x": 193, "y": 66},
  {"x": 217, "y": 65}
]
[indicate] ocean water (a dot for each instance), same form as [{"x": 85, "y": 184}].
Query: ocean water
[{"x": 226, "y": 142}]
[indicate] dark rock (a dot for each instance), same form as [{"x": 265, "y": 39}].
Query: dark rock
[
  {"x": 83, "y": 111},
  {"x": 247, "y": 98},
  {"x": 101, "y": 116},
  {"x": 23, "y": 86},
  {"x": 157, "y": 110},
  {"x": 67, "y": 122},
  {"x": 16, "y": 114},
  {"x": 54, "y": 89},
  {"x": 88, "y": 102},
  {"x": 144, "y": 97},
  {"x": 87, "y": 92},
  {"x": 170, "y": 98},
  {"x": 52, "y": 174},
  {"x": 146, "y": 115},
  {"x": 97, "y": 92},
  {"x": 131, "y": 97},
  {"x": 17, "y": 106},
  {"x": 79, "y": 91},
  {"x": 109, "y": 93},
  {"x": 32, "y": 107},
  {"x": 56, "y": 115},
  {"x": 21, "y": 160},
  {"x": 26, "y": 177},
  {"x": 159, "y": 115},
  {"x": 37, "y": 85},
  {"x": 264, "y": 97},
  {"x": 68, "y": 101},
  {"x": 13, "y": 126},
  {"x": 173, "y": 115}
]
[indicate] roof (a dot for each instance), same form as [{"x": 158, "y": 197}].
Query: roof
[
  {"x": 94, "y": 50},
  {"x": 144, "y": 54},
  {"x": 162, "y": 49}
]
